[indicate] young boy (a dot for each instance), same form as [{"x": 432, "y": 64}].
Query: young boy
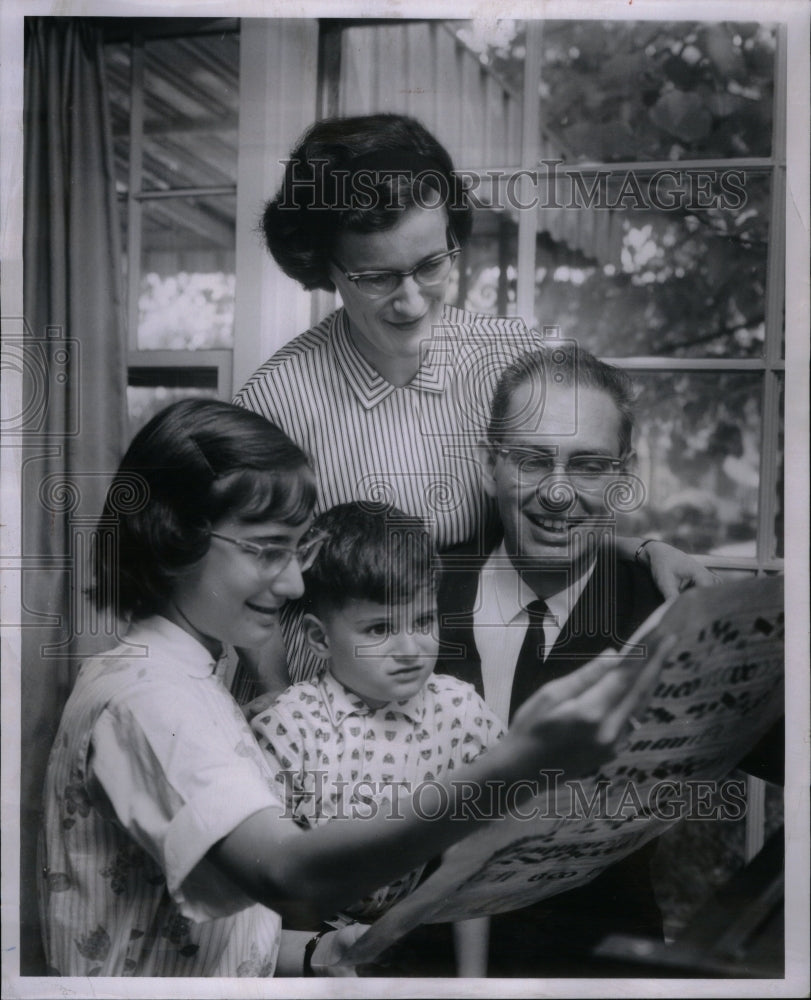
[{"x": 375, "y": 719}]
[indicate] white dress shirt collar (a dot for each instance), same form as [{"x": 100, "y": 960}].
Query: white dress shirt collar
[
  {"x": 169, "y": 643},
  {"x": 340, "y": 703},
  {"x": 500, "y": 622}
]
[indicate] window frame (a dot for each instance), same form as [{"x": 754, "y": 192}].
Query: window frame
[
  {"x": 271, "y": 67},
  {"x": 277, "y": 100},
  {"x": 136, "y": 197},
  {"x": 770, "y": 365}
]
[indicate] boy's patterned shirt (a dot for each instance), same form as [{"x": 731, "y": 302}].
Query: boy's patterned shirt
[{"x": 337, "y": 757}]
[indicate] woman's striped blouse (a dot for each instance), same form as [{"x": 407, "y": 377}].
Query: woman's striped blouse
[{"x": 413, "y": 446}]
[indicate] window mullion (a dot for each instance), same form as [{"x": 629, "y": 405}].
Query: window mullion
[
  {"x": 134, "y": 209},
  {"x": 530, "y": 152},
  {"x": 768, "y": 468},
  {"x": 774, "y": 312},
  {"x": 754, "y": 164},
  {"x": 776, "y": 266},
  {"x": 189, "y": 192},
  {"x": 667, "y": 363}
]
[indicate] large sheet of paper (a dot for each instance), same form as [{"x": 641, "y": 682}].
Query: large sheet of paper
[{"x": 719, "y": 691}]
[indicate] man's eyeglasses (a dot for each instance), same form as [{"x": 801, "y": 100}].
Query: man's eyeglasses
[
  {"x": 275, "y": 558},
  {"x": 584, "y": 472},
  {"x": 376, "y": 284}
]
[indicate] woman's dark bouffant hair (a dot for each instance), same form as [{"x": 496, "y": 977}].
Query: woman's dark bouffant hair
[
  {"x": 357, "y": 174},
  {"x": 194, "y": 463}
]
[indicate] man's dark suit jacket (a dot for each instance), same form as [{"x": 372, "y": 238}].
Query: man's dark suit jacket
[
  {"x": 553, "y": 937},
  {"x": 618, "y": 597}
]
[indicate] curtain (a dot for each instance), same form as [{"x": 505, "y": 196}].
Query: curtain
[{"x": 74, "y": 388}]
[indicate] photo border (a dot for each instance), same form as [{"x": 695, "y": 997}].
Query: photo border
[{"x": 793, "y": 12}]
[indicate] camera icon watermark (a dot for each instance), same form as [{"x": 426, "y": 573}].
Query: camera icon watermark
[
  {"x": 49, "y": 368},
  {"x": 469, "y": 359}
]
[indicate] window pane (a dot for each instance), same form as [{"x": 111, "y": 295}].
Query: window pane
[
  {"x": 637, "y": 280},
  {"x": 191, "y": 111},
  {"x": 656, "y": 90},
  {"x": 693, "y": 860},
  {"x": 698, "y": 448},
  {"x": 463, "y": 80},
  {"x": 123, "y": 219},
  {"x": 143, "y": 402},
  {"x": 186, "y": 299},
  {"x": 117, "y": 61},
  {"x": 728, "y": 575},
  {"x": 486, "y": 272},
  {"x": 779, "y": 519}
]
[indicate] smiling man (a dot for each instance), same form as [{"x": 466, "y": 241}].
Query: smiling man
[
  {"x": 552, "y": 595},
  {"x": 557, "y": 459}
]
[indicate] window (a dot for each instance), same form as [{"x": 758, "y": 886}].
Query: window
[
  {"x": 629, "y": 181},
  {"x": 633, "y": 202},
  {"x": 174, "y": 99}
]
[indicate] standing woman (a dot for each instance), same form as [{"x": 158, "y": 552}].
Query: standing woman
[{"x": 391, "y": 392}]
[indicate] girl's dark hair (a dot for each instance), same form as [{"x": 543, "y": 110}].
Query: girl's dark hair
[
  {"x": 357, "y": 174},
  {"x": 373, "y": 552},
  {"x": 194, "y": 463}
]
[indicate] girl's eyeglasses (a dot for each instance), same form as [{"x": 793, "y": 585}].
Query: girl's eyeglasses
[
  {"x": 275, "y": 558},
  {"x": 375, "y": 284}
]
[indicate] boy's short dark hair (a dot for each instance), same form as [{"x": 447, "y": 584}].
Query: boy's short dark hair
[
  {"x": 191, "y": 465},
  {"x": 373, "y": 552}
]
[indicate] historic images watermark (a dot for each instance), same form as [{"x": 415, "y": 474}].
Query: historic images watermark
[
  {"x": 552, "y": 184},
  {"x": 315, "y": 794}
]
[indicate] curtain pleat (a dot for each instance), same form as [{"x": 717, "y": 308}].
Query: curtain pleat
[{"x": 74, "y": 385}]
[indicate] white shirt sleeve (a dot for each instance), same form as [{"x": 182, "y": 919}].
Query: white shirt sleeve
[{"x": 180, "y": 774}]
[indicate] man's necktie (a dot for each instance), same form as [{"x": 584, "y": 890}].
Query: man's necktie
[{"x": 529, "y": 667}]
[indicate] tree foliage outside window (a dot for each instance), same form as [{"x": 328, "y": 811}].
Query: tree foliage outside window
[
  {"x": 644, "y": 90},
  {"x": 687, "y": 282},
  {"x": 682, "y": 277},
  {"x": 186, "y": 311}
]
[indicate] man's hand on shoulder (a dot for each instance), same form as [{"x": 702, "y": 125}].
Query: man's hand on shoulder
[{"x": 673, "y": 571}]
